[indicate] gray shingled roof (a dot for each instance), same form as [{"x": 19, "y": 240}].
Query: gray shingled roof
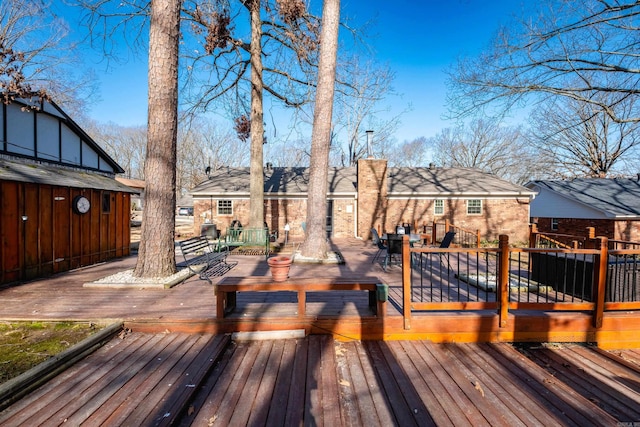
[
  {"x": 450, "y": 181},
  {"x": 289, "y": 180},
  {"x": 401, "y": 182},
  {"x": 43, "y": 173},
  {"x": 619, "y": 197}
]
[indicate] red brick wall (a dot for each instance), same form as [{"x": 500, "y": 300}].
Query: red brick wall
[
  {"x": 375, "y": 210},
  {"x": 277, "y": 214},
  {"x": 499, "y": 216},
  {"x": 612, "y": 229}
]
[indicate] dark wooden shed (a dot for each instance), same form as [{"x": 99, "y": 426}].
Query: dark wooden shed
[{"x": 60, "y": 205}]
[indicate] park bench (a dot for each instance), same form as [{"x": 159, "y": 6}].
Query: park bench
[
  {"x": 202, "y": 257},
  {"x": 228, "y": 287},
  {"x": 247, "y": 237}
]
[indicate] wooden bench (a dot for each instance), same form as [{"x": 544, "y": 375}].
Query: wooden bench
[
  {"x": 228, "y": 287},
  {"x": 201, "y": 257}
]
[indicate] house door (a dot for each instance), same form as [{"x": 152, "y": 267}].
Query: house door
[{"x": 329, "y": 217}]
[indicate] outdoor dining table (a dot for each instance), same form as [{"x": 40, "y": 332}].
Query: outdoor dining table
[{"x": 413, "y": 238}]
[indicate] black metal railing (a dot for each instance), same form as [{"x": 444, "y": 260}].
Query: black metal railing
[{"x": 506, "y": 278}]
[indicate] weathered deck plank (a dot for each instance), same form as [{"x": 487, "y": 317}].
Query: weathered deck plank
[
  {"x": 380, "y": 414},
  {"x": 572, "y": 407},
  {"x": 206, "y": 380},
  {"x": 118, "y": 406},
  {"x": 492, "y": 378},
  {"x": 137, "y": 379},
  {"x": 609, "y": 385}
]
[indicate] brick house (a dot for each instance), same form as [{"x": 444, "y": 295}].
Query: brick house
[
  {"x": 611, "y": 206},
  {"x": 61, "y": 205},
  {"x": 371, "y": 195}
]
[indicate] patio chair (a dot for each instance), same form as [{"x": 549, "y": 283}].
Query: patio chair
[
  {"x": 447, "y": 239},
  {"x": 394, "y": 249},
  {"x": 378, "y": 243},
  {"x": 446, "y": 242}
]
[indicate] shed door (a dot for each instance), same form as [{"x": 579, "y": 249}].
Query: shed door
[{"x": 61, "y": 230}]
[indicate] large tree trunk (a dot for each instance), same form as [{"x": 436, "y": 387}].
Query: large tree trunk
[
  {"x": 156, "y": 254},
  {"x": 315, "y": 243},
  {"x": 256, "y": 183}
]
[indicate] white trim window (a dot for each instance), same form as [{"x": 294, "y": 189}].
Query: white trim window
[
  {"x": 554, "y": 224},
  {"x": 474, "y": 207},
  {"x": 438, "y": 207},
  {"x": 225, "y": 207}
]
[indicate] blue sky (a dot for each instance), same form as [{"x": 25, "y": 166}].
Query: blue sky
[{"x": 418, "y": 39}]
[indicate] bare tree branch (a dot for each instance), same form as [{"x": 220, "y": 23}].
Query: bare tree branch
[{"x": 573, "y": 50}]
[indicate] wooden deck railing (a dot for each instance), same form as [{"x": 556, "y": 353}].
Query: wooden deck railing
[
  {"x": 436, "y": 230},
  {"x": 506, "y": 279},
  {"x": 556, "y": 240}
]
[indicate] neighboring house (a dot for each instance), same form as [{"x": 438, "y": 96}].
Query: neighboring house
[
  {"x": 137, "y": 199},
  {"x": 371, "y": 195},
  {"x": 61, "y": 206},
  {"x": 184, "y": 204},
  {"x": 611, "y": 206}
]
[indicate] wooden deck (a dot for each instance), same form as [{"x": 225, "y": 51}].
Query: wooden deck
[
  {"x": 179, "y": 366},
  {"x": 191, "y": 307},
  {"x": 207, "y": 380}
]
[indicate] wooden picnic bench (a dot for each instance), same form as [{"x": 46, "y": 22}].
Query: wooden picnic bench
[
  {"x": 203, "y": 258},
  {"x": 228, "y": 287}
]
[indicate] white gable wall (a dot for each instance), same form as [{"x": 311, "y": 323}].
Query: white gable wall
[
  {"x": 46, "y": 136},
  {"x": 70, "y": 147},
  {"x": 20, "y": 131},
  {"x": 549, "y": 204},
  {"x": 89, "y": 157}
]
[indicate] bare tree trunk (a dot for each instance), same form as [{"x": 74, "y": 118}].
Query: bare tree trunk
[
  {"x": 256, "y": 183},
  {"x": 156, "y": 256},
  {"x": 315, "y": 243}
]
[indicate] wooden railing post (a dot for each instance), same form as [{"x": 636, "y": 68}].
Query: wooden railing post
[
  {"x": 503, "y": 280},
  {"x": 434, "y": 232},
  {"x": 533, "y": 231},
  {"x": 591, "y": 237},
  {"x": 477, "y": 238},
  {"x": 406, "y": 281},
  {"x": 600, "y": 280}
]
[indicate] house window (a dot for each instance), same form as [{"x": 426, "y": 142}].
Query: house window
[
  {"x": 438, "y": 207},
  {"x": 554, "y": 224},
  {"x": 474, "y": 207},
  {"x": 225, "y": 207}
]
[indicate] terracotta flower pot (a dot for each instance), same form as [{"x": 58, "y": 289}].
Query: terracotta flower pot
[{"x": 279, "y": 266}]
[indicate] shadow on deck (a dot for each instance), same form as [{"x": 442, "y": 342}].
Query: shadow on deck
[{"x": 187, "y": 379}]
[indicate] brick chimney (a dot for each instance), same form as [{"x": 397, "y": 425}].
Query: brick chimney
[{"x": 372, "y": 195}]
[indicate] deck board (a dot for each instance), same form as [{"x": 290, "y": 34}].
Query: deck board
[
  {"x": 491, "y": 378},
  {"x": 208, "y": 380},
  {"x": 571, "y": 406},
  {"x": 595, "y": 378}
]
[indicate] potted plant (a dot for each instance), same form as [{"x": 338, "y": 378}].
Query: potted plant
[{"x": 279, "y": 266}]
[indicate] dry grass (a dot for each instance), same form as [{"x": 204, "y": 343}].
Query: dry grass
[{"x": 24, "y": 345}]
